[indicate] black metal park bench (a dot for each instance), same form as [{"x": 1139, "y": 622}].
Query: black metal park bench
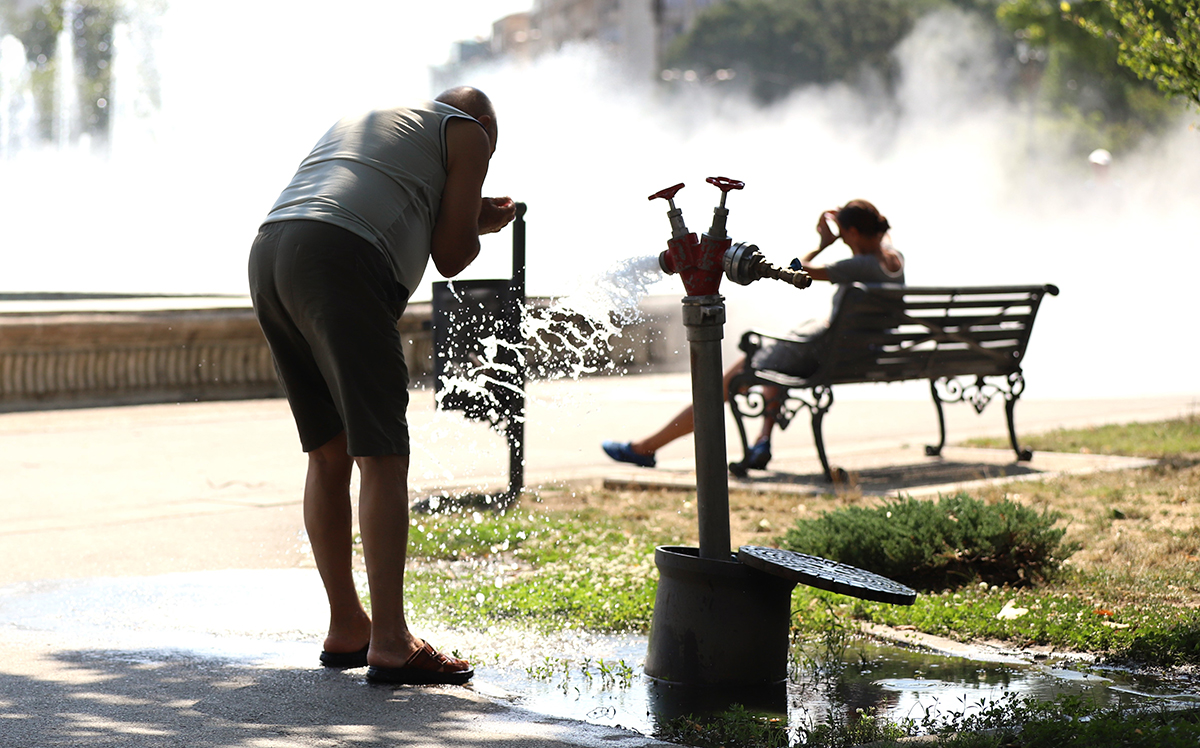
[{"x": 890, "y": 333}]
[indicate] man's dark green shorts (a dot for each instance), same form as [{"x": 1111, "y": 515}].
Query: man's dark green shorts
[{"x": 328, "y": 305}]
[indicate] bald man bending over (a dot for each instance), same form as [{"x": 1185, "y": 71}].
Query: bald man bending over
[{"x": 331, "y": 271}]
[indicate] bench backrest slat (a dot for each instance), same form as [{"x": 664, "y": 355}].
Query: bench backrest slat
[{"x": 888, "y": 333}]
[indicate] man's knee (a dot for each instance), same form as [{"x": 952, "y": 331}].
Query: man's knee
[
  {"x": 384, "y": 465},
  {"x": 331, "y": 456}
]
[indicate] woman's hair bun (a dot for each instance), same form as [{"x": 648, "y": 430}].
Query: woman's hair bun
[{"x": 863, "y": 216}]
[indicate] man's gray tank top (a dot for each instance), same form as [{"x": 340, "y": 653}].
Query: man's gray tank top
[{"x": 379, "y": 175}]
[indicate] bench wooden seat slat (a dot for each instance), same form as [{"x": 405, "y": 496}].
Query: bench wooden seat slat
[
  {"x": 889, "y": 333},
  {"x": 990, "y": 320},
  {"x": 907, "y": 339}
]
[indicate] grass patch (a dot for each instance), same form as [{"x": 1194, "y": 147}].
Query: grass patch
[
  {"x": 1178, "y": 437},
  {"x": 584, "y": 560},
  {"x": 544, "y": 570},
  {"x": 1076, "y": 616}
]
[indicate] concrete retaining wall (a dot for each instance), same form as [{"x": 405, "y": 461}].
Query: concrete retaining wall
[{"x": 134, "y": 353}]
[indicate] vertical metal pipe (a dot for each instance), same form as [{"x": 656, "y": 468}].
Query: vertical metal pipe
[
  {"x": 515, "y": 432},
  {"x": 704, "y": 320}
]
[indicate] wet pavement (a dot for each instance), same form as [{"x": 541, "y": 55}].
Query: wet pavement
[{"x": 156, "y": 589}]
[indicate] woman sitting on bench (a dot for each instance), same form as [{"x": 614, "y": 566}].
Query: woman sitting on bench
[{"x": 861, "y": 228}]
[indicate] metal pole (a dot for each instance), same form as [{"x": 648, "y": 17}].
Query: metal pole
[
  {"x": 515, "y": 432},
  {"x": 704, "y": 320}
]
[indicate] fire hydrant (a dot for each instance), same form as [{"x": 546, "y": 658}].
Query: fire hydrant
[
  {"x": 716, "y": 621},
  {"x": 701, "y": 262},
  {"x": 722, "y": 619}
]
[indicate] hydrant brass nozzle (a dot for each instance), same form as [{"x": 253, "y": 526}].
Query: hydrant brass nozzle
[{"x": 744, "y": 264}]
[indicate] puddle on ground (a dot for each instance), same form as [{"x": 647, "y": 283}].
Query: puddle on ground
[
  {"x": 276, "y": 619},
  {"x": 892, "y": 681}
]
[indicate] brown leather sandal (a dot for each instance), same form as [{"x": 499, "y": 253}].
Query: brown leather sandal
[
  {"x": 427, "y": 666},
  {"x": 345, "y": 659}
]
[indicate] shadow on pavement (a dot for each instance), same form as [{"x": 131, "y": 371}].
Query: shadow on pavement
[
  {"x": 900, "y": 477},
  {"x": 121, "y": 698}
]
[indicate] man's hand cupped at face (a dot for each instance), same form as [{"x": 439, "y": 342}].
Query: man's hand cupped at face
[{"x": 495, "y": 213}]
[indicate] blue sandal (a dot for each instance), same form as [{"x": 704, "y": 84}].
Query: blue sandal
[
  {"x": 758, "y": 456},
  {"x": 623, "y": 452}
]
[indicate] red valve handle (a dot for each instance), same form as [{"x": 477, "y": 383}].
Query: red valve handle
[
  {"x": 725, "y": 184},
  {"x": 668, "y": 193}
]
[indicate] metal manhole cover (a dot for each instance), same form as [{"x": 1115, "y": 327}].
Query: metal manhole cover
[{"x": 824, "y": 574}]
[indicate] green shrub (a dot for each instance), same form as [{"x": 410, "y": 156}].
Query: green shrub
[{"x": 937, "y": 544}]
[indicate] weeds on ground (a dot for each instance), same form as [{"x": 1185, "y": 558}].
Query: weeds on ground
[
  {"x": 864, "y": 727},
  {"x": 735, "y": 727},
  {"x": 821, "y": 634},
  {"x": 1011, "y": 722},
  {"x": 598, "y": 673},
  {"x": 1066, "y": 722}
]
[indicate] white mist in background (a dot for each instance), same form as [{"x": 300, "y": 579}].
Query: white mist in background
[
  {"x": 972, "y": 199},
  {"x": 974, "y": 196}
]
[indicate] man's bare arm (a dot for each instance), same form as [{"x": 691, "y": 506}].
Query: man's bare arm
[{"x": 456, "y": 234}]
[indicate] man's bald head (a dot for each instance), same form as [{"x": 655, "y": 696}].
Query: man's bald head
[
  {"x": 470, "y": 100},
  {"x": 475, "y": 103}
]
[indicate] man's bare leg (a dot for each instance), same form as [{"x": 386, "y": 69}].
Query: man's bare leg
[
  {"x": 328, "y": 520},
  {"x": 383, "y": 522}
]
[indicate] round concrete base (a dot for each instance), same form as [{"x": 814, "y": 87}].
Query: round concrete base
[{"x": 717, "y": 622}]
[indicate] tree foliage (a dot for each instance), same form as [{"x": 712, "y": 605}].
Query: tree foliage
[
  {"x": 1159, "y": 40},
  {"x": 1078, "y": 63},
  {"x": 779, "y": 45},
  {"x": 1081, "y": 81}
]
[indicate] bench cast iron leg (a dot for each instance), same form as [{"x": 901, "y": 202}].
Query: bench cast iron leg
[
  {"x": 937, "y": 402},
  {"x": 1010, "y": 404},
  {"x": 735, "y": 386},
  {"x": 822, "y": 399}
]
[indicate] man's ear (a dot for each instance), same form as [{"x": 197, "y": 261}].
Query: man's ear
[{"x": 489, "y": 126}]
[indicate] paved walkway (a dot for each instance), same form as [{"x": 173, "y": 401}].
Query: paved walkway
[{"x": 134, "y": 541}]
